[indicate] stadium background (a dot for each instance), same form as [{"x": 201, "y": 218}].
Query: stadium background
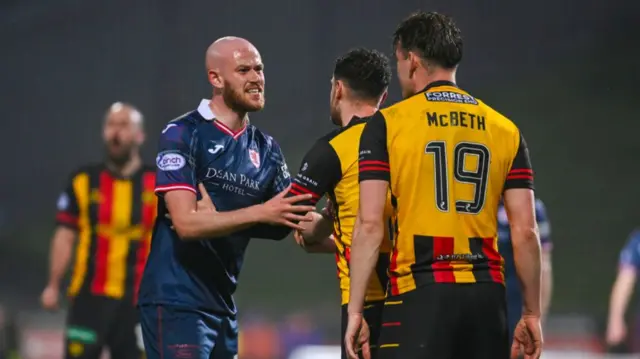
[{"x": 564, "y": 71}]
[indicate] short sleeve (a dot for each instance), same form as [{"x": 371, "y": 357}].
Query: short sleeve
[
  {"x": 319, "y": 172},
  {"x": 373, "y": 160},
  {"x": 282, "y": 178},
  {"x": 67, "y": 206},
  {"x": 544, "y": 225},
  {"x": 630, "y": 254},
  {"x": 175, "y": 162},
  {"x": 521, "y": 173}
]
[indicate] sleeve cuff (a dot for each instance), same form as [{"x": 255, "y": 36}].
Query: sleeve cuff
[{"x": 174, "y": 187}]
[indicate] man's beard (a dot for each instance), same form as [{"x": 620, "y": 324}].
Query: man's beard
[
  {"x": 120, "y": 157},
  {"x": 235, "y": 100}
]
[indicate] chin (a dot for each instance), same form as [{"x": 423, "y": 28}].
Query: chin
[{"x": 253, "y": 106}]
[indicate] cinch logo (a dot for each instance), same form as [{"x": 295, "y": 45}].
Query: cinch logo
[{"x": 170, "y": 161}]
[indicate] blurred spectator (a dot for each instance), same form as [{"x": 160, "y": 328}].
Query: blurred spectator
[
  {"x": 258, "y": 339},
  {"x": 297, "y": 330}
]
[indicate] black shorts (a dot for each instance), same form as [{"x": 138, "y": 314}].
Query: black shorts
[
  {"x": 373, "y": 315},
  {"x": 94, "y": 323},
  {"x": 446, "y": 321}
]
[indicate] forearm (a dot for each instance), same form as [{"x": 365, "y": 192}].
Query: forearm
[
  {"x": 60, "y": 256},
  {"x": 204, "y": 225},
  {"x": 620, "y": 296},
  {"x": 546, "y": 288},
  {"x": 326, "y": 245},
  {"x": 526, "y": 248},
  {"x": 319, "y": 230},
  {"x": 365, "y": 250}
]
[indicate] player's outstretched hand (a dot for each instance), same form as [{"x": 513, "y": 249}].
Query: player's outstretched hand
[
  {"x": 50, "y": 298},
  {"x": 356, "y": 337},
  {"x": 528, "y": 338},
  {"x": 284, "y": 211}
]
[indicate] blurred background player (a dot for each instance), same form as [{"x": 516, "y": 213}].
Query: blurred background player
[
  {"x": 514, "y": 294},
  {"x": 617, "y": 334},
  {"x": 186, "y": 295},
  {"x": 358, "y": 87},
  {"x": 110, "y": 208},
  {"x": 448, "y": 159}
]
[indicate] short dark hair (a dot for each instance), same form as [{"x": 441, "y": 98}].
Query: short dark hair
[
  {"x": 366, "y": 72},
  {"x": 432, "y": 36}
]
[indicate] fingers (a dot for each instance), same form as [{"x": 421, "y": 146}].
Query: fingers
[
  {"x": 203, "y": 190},
  {"x": 292, "y": 225},
  {"x": 366, "y": 351},
  {"x": 515, "y": 349},
  {"x": 299, "y": 238},
  {"x": 299, "y": 198},
  {"x": 301, "y": 209},
  {"x": 284, "y": 193},
  {"x": 350, "y": 347},
  {"x": 297, "y": 217}
]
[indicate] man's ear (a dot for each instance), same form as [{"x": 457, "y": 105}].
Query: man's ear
[
  {"x": 414, "y": 63},
  {"x": 215, "y": 79}
]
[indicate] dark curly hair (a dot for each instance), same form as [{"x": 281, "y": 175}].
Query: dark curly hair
[
  {"x": 432, "y": 36},
  {"x": 366, "y": 72}
]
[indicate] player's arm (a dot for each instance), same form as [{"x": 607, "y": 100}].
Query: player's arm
[
  {"x": 176, "y": 183},
  {"x": 64, "y": 237},
  {"x": 519, "y": 202},
  {"x": 374, "y": 178},
  {"x": 544, "y": 228},
  {"x": 623, "y": 289},
  {"x": 320, "y": 171}
]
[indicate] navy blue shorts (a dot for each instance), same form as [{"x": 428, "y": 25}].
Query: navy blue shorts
[{"x": 175, "y": 332}]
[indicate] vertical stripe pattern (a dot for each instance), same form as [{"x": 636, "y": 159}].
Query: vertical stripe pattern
[
  {"x": 149, "y": 208},
  {"x": 81, "y": 191},
  {"x": 102, "y": 241},
  {"x": 119, "y": 236}
]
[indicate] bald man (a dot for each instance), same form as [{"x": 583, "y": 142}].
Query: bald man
[
  {"x": 110, "y": 208},
  {"x": 212, "y": 155}
]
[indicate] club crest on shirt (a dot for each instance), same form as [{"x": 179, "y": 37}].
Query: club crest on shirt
[{"x": 254, "y": 156}]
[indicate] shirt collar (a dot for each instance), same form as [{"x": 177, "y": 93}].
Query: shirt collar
[
  {"x": 205, "y": 111},
  {"x": 438, "y": 84}
]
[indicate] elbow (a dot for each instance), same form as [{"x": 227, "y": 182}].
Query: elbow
[
  {"x": 527, "y": 235},
  {"x": 184, "y": 230},
  {"x": 371, "y": 230}
]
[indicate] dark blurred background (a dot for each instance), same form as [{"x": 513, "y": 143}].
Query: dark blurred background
[{"x": 564, "y": 71}]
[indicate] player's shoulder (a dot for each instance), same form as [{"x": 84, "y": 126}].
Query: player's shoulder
[
  {"x": 498, "y": 120},
  {"x": 188, "y": 121}
]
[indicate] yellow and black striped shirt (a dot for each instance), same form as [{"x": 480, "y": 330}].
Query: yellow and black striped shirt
[
  {"x": 331, "y": 167},
  {"x": 114, "y": 217},
  {"x": 448, "y": 158}
]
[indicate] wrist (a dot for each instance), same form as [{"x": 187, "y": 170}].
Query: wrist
[
  {"x": 257, "y": 213},
  {"x": 54, "y": 283}
]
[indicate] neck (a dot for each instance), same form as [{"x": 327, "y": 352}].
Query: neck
[
  {"x": 425, "y": 77},
  {"x": 234, "y": 120},
  {"x": 128, "y": 168},
  {"x": 357, "y": 110}
]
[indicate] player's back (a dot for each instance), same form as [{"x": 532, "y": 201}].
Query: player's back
[{"x": 449, "y": 156}]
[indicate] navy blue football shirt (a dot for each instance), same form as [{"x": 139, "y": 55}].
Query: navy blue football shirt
[{"x": 239, "y": 169}]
